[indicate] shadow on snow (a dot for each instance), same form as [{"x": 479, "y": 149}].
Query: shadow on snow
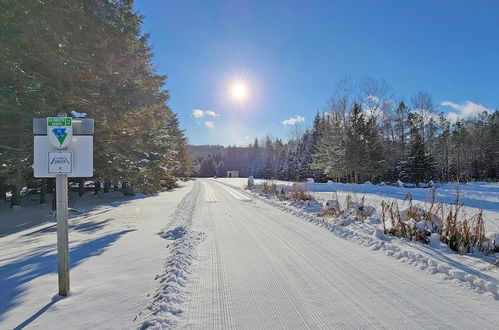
[{"x": 16, "y": 275}]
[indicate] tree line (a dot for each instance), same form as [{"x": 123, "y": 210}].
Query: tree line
[
  {"x": 86, "y": 56},
  {"x": 371, "y": 137}
]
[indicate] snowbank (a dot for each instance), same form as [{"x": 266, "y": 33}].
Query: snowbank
[{"x": 166, "y": 306}]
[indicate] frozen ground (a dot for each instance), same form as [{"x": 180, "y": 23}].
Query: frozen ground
[
  {"x": 211, "y": 255},
  {"x": 263, "y": 267},
  {"x": 114, "y": 254},
  {"x": 453, "y": 266}
]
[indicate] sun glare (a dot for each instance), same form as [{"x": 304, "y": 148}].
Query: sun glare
[{"x": 239, "y": 91}]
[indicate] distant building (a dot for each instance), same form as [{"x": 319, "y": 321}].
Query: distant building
[{"x": 233, "y": 174}]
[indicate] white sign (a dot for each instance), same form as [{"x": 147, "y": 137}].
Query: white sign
[
  {"x": 60, "y": 131},
  {"x": 82, "y": 164},
  {"x": 60, "y": 161}
]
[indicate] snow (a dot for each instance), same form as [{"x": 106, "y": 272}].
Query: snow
[
  {"x": 473, "y": 195},
  {"x": 164, "y": 310},
  {"x": 77, "y": 114},
  {"x": 262, "y": 266},
  {"x": 214, "y": 255},
  {"x": 115, "y": 252},
  {"x": 482, "y": 275},
  {"x": 251, "y": 181}
]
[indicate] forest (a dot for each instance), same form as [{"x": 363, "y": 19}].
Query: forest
[
  {"x": 365, "y": 134},
  {"x": 90, "y": 57},
  {"x": 86, "y": 57}
]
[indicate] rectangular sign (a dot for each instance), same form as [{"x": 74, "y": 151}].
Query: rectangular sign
[
  {"x": 60, "y": 161},
  {"x": 59, "y": 121},
  {"x": 82, "y": 157}
]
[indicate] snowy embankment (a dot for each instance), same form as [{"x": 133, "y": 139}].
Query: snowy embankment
[
  {"x": 165, "y": 308},
  {"x": 473, "y": 271},
  {"x": 115, "y": 252}
]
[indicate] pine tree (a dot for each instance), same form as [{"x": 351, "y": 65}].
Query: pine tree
[
  {"x": 87, "y": 56},
  {"x": 331, "y": 150},
  {"x": 355, "y": 155},
  {"x": 207, "y": 168},
  {"x": 419, "y": 164},
  {"x": 375, "y": 162}
]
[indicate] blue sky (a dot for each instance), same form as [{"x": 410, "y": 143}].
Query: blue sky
[{"x": 290, "y": 54}]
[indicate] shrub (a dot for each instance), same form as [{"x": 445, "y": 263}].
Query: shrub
[
  {"x": 268, "y": 188},
  {"x": 281, "y": 194},
  {"x": 462, "y": 234},
  {"x": 299, "y": 194},
  {"x": 400, "y": 226}
]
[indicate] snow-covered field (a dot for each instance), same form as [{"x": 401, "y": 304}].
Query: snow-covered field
[
  {"x": 115, "y": 253},
  {"x": 212, "y": 255},
  {"x": 473, "y": 195}
]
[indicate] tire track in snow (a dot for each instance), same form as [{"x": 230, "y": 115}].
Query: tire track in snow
[
  {"x": 286, "y": 283},
  {"x": 219, "y": 316},
  {"x": 237, "y": 195},
  {"x": 351, "y": 311},
  {"x": 282, "y": 275},
  {"x": 240, "y": 280},
  {"x": 276, "y": 267},
  {"x": 259, "y": 253},
  {"x": 360, "y": 292},
  {"x": 209, "y": 195},
  {"x": 224, "y": 305}
]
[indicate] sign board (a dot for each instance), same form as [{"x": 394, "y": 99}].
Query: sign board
[
  {"x": 60, "y": 131},
  {"x": 82, "y": 165},
  {"x": 74, "y": 158},
  {"x": 60, "y": 161}
]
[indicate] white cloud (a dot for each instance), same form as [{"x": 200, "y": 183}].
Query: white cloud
[
  {"x": 464, "y": 110},
  {"x": 198, "y": 113},
  {"x": 293, "y": 120},
  {"x": 209, "y": 124},
  {"x": 211, "y": 113}
]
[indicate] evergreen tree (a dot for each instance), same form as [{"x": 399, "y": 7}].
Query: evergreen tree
[
  {"x": 88, "y": 56},
  {"x": 331, "y": 150},
  {"x": 419, "y": 164},
  {"x": 207, "y": 168},
  {"x": 355, "y": 155},
  {"x": 375, "y": 162}
]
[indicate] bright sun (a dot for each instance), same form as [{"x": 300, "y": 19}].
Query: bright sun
[{"x": 239, "y": 91}]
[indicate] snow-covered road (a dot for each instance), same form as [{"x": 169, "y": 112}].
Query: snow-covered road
[
  {"x": 259, "y": 267},
  {"x": 210, "y": 255}
]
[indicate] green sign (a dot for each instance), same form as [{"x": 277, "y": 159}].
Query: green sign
[{"x": 59, "y": 121}]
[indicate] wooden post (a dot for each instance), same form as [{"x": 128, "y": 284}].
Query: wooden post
[{"x": 62, "y": 233}]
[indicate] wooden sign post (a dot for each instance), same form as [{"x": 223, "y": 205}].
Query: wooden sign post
[{"x": 61, "y": 183}]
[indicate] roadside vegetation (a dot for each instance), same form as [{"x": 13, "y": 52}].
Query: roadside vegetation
[{"x": 462, "y": 232}]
